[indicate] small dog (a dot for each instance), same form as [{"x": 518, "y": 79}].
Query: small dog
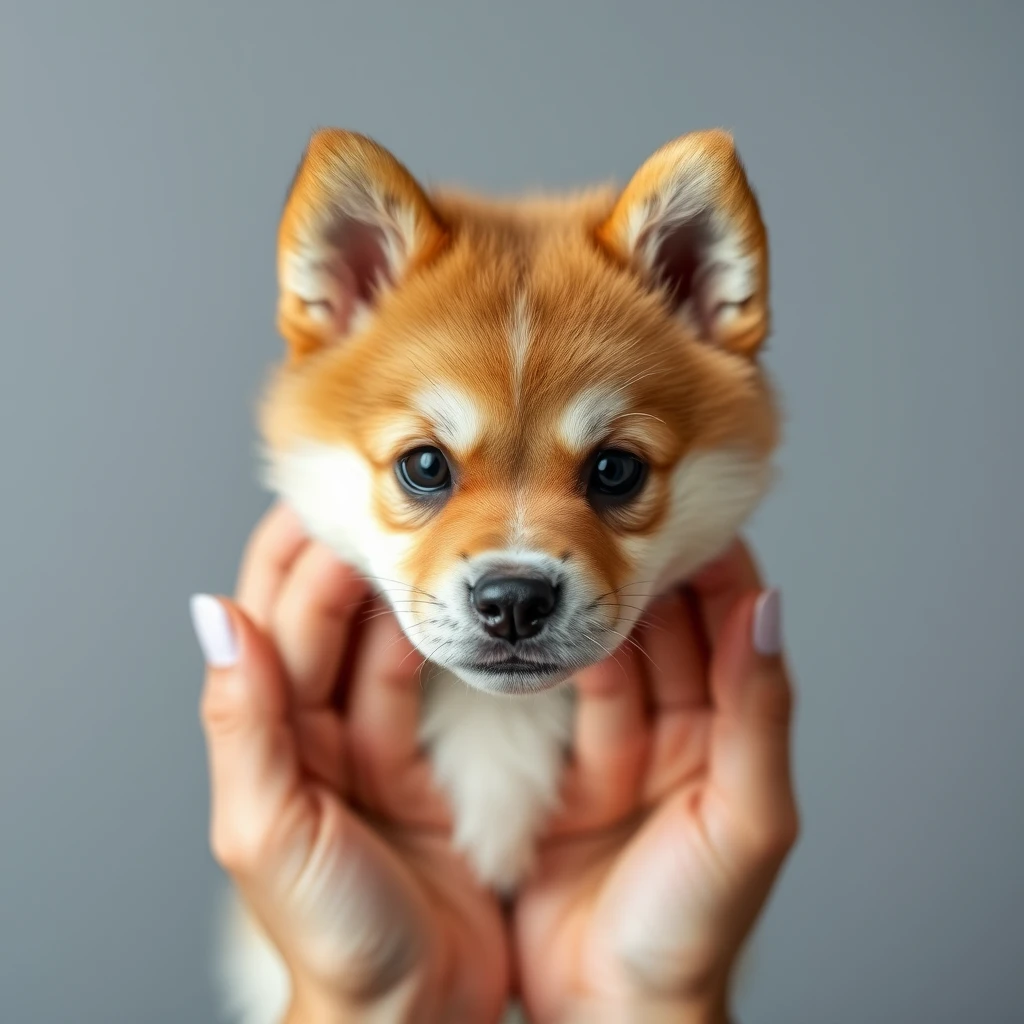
[{"x": 539, "y": 413}]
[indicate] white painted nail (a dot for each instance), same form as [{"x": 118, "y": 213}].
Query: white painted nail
[
  {"x": 768, "y": 624},
  {"x": 214, "y": 631}
]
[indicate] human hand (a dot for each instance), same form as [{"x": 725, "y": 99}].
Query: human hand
[
  {"x": 323, "y": 809},
  {"x": 679, "y": 813}
]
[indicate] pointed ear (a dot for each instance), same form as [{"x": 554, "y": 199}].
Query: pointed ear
[
  {"x": 689, "y": 224},
  {"x": 355, "y": 223}
]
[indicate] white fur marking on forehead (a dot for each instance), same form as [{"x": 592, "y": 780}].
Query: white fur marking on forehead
[
  {"x": 519, "y": 343},
  {"x": 456, "y": 417},
  {"x": 589, "y": 416},
  {"x": 518, "y": 532}
]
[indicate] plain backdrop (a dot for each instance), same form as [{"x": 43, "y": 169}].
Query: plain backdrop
[{"x": 145, "y": 150}]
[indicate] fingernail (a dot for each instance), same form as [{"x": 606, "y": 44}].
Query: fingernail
[
  {"x": 214, "y": 632},
  {"x": 768, "y": 624}
]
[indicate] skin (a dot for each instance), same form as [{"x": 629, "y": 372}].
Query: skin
[
  {"x": 680, "y": 812},
  {"x": 678, "y": 809},
  {"x": 312, "y": 796}
]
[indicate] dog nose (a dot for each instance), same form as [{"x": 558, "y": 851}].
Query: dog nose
[{"x": 514, "y": 607}]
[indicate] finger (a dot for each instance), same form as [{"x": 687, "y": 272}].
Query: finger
[
  {"x": 312, "y": 622},
  {"x": 750, "y": 777},
  {"x": 679, "y": 695},
  {"x": 384, "y": 697},
  {"x": 272, "y": 549},
  {"x": 610, "y": 741},
  {"x": 719, "y": 585},
  {"x": 254, "y": 767},
  {"x": 320, "y": 740},
  {"x": 676, "y": 671}
]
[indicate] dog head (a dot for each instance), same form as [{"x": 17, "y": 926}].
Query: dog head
[{"x": 521, "y": 419}]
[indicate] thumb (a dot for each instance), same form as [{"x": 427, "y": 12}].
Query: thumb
[
  {"x": 750, "y": 771},
  {"x": 254, "y": 768}
]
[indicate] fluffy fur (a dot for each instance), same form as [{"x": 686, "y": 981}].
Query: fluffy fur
[{"x": 519, "y": 338}]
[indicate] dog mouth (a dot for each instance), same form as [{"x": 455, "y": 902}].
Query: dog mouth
[
  {"x": 513, "y": 676},
  {"x": 516, "y": 667}
]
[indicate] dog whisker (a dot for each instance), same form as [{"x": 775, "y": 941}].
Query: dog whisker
[
  {"x": 618, "y": 590},
  {"x": 383, "y": 613},
  {"x": 429, "y": 659},
  {"x": 401, "y": 583},
  {"x": 597, "y": 643},
  {"x": 633, "y": 642}
]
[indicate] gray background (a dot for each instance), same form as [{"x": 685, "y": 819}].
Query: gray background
[{"x": 144, "y": 154}]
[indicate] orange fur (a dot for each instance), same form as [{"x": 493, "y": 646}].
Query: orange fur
[{"x": 593, "y": 321}]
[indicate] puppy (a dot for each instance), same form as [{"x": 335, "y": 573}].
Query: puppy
[{"x": 524, "y": 419}]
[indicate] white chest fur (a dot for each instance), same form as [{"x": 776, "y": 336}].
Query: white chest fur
[{"x": 499, "y": 760}]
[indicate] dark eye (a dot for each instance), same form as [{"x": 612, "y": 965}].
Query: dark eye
[
  {"x": 424, "y": 471},
  {"x": 615, "y": 476}
]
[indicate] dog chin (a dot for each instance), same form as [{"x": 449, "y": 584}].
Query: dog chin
[{"x": 518, "y": 682}]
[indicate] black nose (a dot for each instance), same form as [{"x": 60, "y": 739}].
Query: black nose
[{"x": 513, "y": 607}]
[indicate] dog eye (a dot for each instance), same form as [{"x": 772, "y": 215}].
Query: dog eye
[
  {"x": 424, "y": 471},
  {"x": 615, "y": 476}
]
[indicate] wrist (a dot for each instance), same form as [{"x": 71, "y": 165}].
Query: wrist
[
  {"x": 396, "y": 989},
  {"x": 643, "y": 1010},
  {"x": 646, "y": 1012},
  {"x": 407, "y": 1002}
]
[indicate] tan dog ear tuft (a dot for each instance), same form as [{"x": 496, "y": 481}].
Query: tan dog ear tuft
[
  {"x": 355, "y": 223},
  {"x": 689, "y": 224}
]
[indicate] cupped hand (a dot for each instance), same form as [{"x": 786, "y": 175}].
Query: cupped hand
[
  {"x": 679, "y": 812},
  {"x": 323, "y": 809}
]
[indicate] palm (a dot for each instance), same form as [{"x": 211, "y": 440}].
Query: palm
[
  {"x": 592, "y": 894},
  {"x": 678, "y": 815},
  {"x": 324, "y": 810},
  {"x": 375, "y": 868},
  {"x": 381, "y": 846}
]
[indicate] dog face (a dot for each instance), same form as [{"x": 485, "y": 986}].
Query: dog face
[{"x": 521, "y": 420}]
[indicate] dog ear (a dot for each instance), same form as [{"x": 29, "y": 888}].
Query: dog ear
[
  {"x": 689, "y": 224},
  {"x": 356, "y": 223}
]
